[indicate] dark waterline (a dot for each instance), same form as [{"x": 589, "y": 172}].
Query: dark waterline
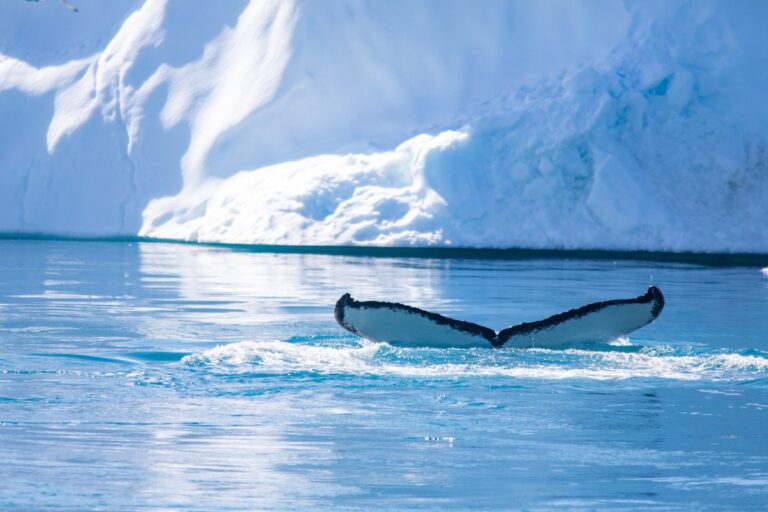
[{"x": 699, "y": 258}]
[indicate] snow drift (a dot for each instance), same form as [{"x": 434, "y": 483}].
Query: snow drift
[{"x": 539, "y": 124}]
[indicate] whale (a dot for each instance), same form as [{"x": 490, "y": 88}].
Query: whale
[{"x": 404, "y": 325}]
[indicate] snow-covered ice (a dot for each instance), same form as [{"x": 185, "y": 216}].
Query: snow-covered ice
[{"x": 635, "y": 125}]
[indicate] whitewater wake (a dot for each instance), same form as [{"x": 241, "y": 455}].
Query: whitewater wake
[{"x": 618, "y": 362}]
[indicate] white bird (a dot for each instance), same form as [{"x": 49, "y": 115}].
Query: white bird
[
  {"x": 65, "y": 3},
  {"x": 69, "y": 6}
]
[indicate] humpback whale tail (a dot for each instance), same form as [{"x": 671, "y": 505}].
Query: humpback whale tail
[{"x": 406, "y": 325}]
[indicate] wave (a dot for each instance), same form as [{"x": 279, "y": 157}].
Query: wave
[{"x": 364, "y": 358}]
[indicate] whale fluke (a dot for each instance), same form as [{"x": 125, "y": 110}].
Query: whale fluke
[{"x": 400, "y": 324}]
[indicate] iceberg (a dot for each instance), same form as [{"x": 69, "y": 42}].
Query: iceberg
[{"x": 587, "y": 125}]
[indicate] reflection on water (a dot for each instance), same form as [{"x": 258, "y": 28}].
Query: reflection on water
[{"x": 175, "y": 376}]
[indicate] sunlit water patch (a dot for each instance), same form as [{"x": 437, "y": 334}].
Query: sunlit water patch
[{"x": 166, "y": 376}]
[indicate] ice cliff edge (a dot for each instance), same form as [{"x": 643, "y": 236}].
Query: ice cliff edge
[{"x": 635, "y": 125}]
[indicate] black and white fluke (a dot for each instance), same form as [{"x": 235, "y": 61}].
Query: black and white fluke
[{"x": 400, "y": 324}]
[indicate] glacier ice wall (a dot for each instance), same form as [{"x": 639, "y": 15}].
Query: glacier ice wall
[{"x": 635, "y": 125}]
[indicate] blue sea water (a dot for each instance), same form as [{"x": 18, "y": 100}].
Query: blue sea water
[{"x": 150, "y": 376}]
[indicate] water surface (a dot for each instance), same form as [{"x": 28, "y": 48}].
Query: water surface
[{"x": 167, "y": 376}]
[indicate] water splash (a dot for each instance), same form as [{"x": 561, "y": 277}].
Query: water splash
[{"x": 381, "y": 359}]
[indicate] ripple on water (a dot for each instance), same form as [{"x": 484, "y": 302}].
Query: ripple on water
[{"x": 107, "y": 352}]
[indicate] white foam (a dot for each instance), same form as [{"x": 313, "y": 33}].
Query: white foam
[
  {"x": 282, "y": 356},
  {"x": 382, "y": 359}
]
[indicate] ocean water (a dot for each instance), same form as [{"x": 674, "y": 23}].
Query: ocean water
[{"x": 150, "y": 376}]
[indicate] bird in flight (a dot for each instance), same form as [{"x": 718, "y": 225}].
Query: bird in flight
[{"x": 69, "y": 5}]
